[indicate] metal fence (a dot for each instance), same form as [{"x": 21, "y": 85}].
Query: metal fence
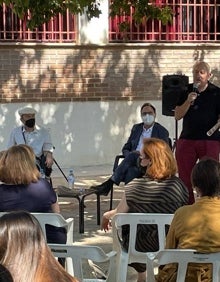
[
  {"x": 193, "y": 21},
  {"x": 59, "y": 29}
]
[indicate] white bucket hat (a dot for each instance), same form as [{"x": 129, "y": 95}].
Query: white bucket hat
[{"x": 27, "y": 110}]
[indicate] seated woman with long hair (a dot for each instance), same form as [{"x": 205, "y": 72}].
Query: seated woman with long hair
[
  {"x": 158, "y": 191},
  {"x": 21, "y": 188},
  {"x": 24, "y": 251}
]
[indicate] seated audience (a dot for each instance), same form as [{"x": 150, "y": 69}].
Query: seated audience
[
  {"x": 197, "y": 226},
  {"x": 129, "y": 168},
  {"x": 24, "y": 252},
  {"x": 158, "y": 191},
  {"x": 22, "y": 188}
]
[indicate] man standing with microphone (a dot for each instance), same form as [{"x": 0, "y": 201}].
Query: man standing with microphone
[{"x": 199, "y": 107}]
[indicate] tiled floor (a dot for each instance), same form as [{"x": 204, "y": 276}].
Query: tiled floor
[{"x": 69, "y": 208}]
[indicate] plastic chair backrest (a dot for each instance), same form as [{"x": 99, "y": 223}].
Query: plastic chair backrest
[
  {"x": 54, "y": 219},
  {"x": 79, "y": 252},
  {"x": 57, "y": 220},
  {"x": 183, "y": 257},
  {"x": 133, "y": 219}
]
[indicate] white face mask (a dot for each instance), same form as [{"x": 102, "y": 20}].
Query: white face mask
[{"x": 148, "y": 119}]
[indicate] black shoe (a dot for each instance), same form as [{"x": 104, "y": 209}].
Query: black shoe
[{"x": 104, "y": 188}]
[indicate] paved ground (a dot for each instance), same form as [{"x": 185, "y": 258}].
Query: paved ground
[{"x": 87, "y": 176}]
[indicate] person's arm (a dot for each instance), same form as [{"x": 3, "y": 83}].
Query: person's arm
[
  {"x": 127, "y": 148},
  {"x": 172, "y": 241},
  {"x": 107, "y": 216},
  {"x": 180, "y": 111},
  {"x": 49, "y": 158},
  {"x": 48, "y": 149},
  {"x": 55, "y": 207}
]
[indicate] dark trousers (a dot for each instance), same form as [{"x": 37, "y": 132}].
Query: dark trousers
[
  {"x": 188, "y": 152},
  {"x": 128, "y": 169},
  {"x": 56, "y": 235},
  {"x": 40, "y": 162}
]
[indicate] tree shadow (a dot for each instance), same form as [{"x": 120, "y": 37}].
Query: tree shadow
[{"x": 106, "y": 75}]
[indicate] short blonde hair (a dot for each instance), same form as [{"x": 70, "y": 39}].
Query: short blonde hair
[
  {"x": 163, "y": 164},
  {"x": 17, "y": 166},
  {"x": 202, "y": 65}
]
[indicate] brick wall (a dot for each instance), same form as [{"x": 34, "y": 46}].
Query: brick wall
[{"x": 61, "y": 73}]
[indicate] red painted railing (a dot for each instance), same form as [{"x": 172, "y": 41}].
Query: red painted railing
[
  {"x": 59, "y": 29},
  {"x": 193, "y": 21}
]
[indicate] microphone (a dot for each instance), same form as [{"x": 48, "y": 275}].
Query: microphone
[
  {"x": 196, "y": 90},
  {"x": 195, "y": 87},
  {"x": 213, "y": 129}
]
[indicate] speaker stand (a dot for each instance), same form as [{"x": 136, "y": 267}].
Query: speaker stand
[{"x": 176, "y": 135}]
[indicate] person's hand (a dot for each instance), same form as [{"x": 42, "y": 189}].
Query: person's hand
[
  {"x": 105, "y": 224},
  {"x": 49, "y": 160},
  {"x": 191, "y": 97}
]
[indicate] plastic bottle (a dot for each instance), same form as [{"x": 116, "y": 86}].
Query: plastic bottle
[{"x": 71, "y": 179}]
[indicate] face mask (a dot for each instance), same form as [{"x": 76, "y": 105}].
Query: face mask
[
  {"x": 30, "y": 123},
  {"x": 148, "y": 119},
  {"x": 142, "y": 169}
]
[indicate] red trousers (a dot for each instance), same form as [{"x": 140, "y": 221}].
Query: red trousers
[{"x": 188, "y": 152}]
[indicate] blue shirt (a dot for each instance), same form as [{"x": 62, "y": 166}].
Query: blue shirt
[{"x": 35, "y": 197}]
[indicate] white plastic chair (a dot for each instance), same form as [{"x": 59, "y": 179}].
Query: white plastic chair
[
  {"x": 76, "y": 253},
  {"x": 57, "y": 220},
  {"x": 183, "y": 257},
  {"x": 132, "y": 255}
]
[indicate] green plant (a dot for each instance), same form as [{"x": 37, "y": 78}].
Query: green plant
[{"x": 37, "y": 12}]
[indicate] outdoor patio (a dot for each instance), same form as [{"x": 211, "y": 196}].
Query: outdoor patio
[{"x": 85, "y": 177}]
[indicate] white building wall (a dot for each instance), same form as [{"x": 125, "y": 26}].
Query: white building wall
[
  {"x": 83, "y": 133},
  {"x": 94, "y": 31}
]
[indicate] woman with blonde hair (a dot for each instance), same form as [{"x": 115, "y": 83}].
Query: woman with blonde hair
[
  {"x": 24, "y": 252},
  {"x": 22, "y": 188},
  {"x": 158, "y": 191}
]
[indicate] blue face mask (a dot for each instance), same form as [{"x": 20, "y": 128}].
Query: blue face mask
[{"x": 148, "y": 119}]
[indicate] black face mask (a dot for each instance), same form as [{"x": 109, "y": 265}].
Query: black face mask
[
  {"x": 141, "y": 168},
  {"x": 30, "y": 123}
]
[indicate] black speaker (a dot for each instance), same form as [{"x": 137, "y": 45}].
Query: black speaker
[{"x": 172, "y": 87}]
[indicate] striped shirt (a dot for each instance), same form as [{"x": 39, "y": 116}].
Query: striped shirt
[{"x": 144, "y": 195}]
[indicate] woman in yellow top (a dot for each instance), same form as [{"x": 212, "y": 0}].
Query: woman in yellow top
[{"x": 197, "y": 226}]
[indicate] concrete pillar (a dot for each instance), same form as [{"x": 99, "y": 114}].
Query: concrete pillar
[{"x": 94, "y": 31}]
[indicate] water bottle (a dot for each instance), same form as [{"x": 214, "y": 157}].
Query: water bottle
[
  {"x": 42, "y": 174},
  {"x": 81, "y": 191},
  {"x": 71, "y": 179}
]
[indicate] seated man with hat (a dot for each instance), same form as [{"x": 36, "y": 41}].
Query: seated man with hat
[{"x": 38, "y": 138}]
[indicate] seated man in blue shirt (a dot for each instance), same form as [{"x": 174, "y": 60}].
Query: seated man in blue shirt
[
  {"x": 38, "y": 138},
  {"x": 129, "y": 167}
]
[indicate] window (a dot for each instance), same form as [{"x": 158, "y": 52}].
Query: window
[
  {"x": 59, "y": 29},
  {"x": 193, "y": 21}
]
